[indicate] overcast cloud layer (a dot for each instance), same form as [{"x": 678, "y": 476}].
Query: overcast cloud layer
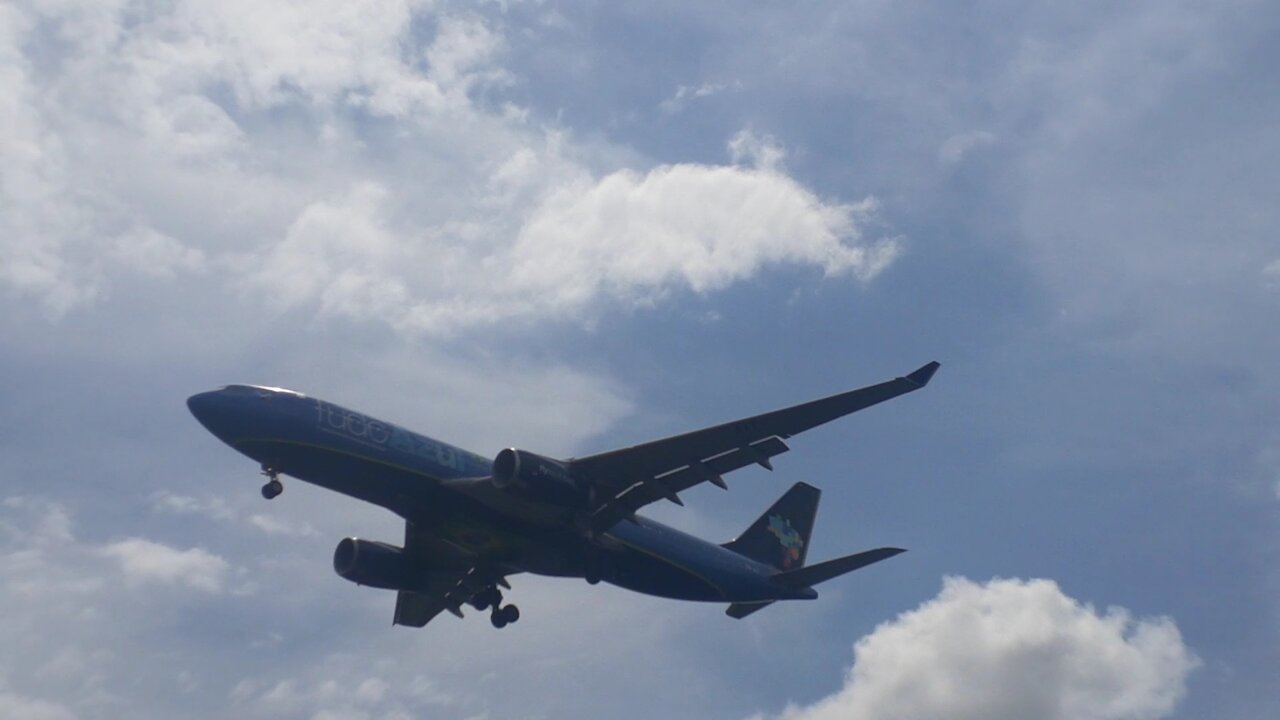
[{"x": 574, "y": 227}]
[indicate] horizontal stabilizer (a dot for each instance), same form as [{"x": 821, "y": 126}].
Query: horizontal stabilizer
[
  {"x": 811, "y": 575},
  {"x": 741, "y": 610}
]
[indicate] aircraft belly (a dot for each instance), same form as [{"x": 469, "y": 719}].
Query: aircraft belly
[
  {"x": 397, "y": 489},
  {"x": 658, "y": 560},
  {"x": 447, "y": 511},
  {"x": 651, "y": 576}
]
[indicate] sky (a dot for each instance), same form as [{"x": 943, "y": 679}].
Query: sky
[{"x": 569, "y": 227}]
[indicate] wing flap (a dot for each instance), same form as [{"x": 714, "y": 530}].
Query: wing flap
[
  {"x": 741, "y": 610},
  {"x": 669, "y": 485},
  {"x": 659, "y": 456},
  {"x": 441, "y": 591},
  {"x": 631, "y": 477},
  {"x": 416, "y": 609}
]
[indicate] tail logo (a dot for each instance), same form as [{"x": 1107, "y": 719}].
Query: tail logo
[{"x": 791, "y": 541}]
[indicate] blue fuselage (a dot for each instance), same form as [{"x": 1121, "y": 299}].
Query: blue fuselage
[{"x": 445, "y": 491}]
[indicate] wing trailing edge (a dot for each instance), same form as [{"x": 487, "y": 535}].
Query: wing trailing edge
[
  {"x": 741, "y": 610},
  {"x": 629, "y": 478}
]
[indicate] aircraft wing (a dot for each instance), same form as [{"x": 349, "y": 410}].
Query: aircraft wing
[
  {"x": 627, "y": 479},
  {"x": 441, "y": 589},
  {"x": 416, "y": 609}
]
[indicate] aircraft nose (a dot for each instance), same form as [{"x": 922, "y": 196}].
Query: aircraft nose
[
  {"x": 211, "y": 409},
  {"x": 200, "y": 404}
]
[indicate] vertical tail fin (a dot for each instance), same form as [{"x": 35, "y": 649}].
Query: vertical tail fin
[{"x": 780, "y": 537}]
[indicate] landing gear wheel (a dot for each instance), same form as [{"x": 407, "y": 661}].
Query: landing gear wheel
[
  {"x": 485, "y": 599},
  {"x": 273, "y": 486},
  {"x": 498, "y": 620},
  {"x": 504, "y": 616},
  {"x": 511, "y": 613}
]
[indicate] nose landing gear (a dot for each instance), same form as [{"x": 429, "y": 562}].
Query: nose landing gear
[{"x": 273, "y": 487}]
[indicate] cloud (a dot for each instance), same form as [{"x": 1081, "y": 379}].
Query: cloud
[
  {"x": 182, "y": 96},
  {"x": 319, "y": 53},
  {"x": 762, "y": 152},
  {"x": 272, "y": 525},
  {"x": 684, "y": 93},
  {"x": 17, "y": 707},
  {"x": 236, "y": 139},
  {"x": 634, "y": 236},
  {"x": 1011, "y": 649},
  {"x": 338, "y": 255},
  {"x": 627, "y": 237},
  {"x": 148, "y": 252},
  {"x": 957, "y": 147},
  {"x": 359, "y": 162},
  {"x": 348, "y": 689},
  {"x": 214, "y": 508},
  {"x": 147, "y": 561},
  {"x": 69, "y": 621},
  {"x": 1272, "y": 272}
]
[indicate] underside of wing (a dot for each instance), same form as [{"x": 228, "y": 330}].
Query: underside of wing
[
  {"x": 632, "y": 477},
  {"x": 667, "y": 486},
  {"x": 440, "y": 592},
  {"x": 741, "y": 610},
  {"x": 416, "y": 609},
  {"x": 440, "y": 589}
]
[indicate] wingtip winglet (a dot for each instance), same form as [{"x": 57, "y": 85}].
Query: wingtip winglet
[{"x": 921, "y": 377}]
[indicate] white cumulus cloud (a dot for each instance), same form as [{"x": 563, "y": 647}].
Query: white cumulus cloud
[
  {"x": 635, "y": 235},
  {"x": 627, "y": 237},
  {"x": 1011, "y": 650},
  {"x": 334, "y": 160},
  {"x": 148, "y": 561}
]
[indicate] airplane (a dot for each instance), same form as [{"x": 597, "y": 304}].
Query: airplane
[{"x": 471, "y": 522}]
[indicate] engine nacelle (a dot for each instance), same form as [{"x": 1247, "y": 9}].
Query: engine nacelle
[
  {"x": 536, "y": 477},
  {"x": 375, "y": 564}
]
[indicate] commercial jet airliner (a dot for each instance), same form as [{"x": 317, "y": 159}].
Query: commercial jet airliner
[{"x": 470, "y": 523}]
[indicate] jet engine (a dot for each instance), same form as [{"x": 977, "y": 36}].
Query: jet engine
[
  {"x": 535, "y": 477},
  {"x": 375, "y": 564}
]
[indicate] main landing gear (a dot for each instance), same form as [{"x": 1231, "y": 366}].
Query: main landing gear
[
  {"x": 273, "y": 487},
  {"x": 491, "y": 598}
]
